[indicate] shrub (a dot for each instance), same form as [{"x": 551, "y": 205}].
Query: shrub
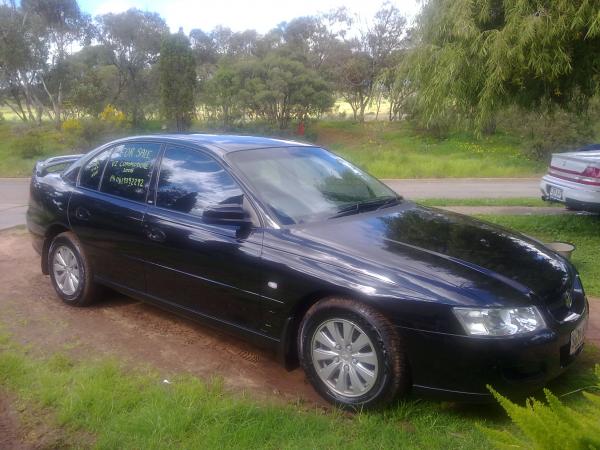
[
  {"x": 552, "y": 425},
  {"x": 91, "y": 132},
  {"x": 72, "y": 126},
  {"x": 30, "y": 144},
  {"x": 94, "y": 132},
  {"x": 112, "y": 115},
  {"x": 547, "y": 132}
]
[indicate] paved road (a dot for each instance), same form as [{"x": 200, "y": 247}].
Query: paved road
[
  {"x": 14, "y": 192},
  {"x": 466, "y": 187}
]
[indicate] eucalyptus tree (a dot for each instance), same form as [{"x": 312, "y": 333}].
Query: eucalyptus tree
[
  {"x": 61, "y": 24},
  {"x": 36, "y": 39},
  {"x": 93, "y": 80},
  {"x": 134, "y": 38},
  {"x": 361, "y": 60},
  {"x": 22, "y": 56}
]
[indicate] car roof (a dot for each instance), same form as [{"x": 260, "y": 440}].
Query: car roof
[{"x": 219, "y": 143}]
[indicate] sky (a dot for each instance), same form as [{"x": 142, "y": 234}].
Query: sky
[{"x": 239, "y": 15}]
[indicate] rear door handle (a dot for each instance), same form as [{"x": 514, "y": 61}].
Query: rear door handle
[
  {"x": 156, "y": 234},
  {"x": 82, "y": 213}
]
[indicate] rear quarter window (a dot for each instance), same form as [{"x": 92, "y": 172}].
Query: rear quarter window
[
  {"x": 128, "y": 170},
  {"x": 92, "y": 171}
]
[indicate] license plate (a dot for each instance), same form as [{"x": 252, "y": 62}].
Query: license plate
[
  {"x": 555, "y": 193},
  {"x": 577, "y": 336}
]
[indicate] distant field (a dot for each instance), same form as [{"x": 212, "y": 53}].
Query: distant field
[{"x": 394, "y": 150}]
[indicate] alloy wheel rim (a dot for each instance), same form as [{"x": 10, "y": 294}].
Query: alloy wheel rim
[
  {"x": 66, "y": 270},
  {"x": 344, "y": 357}
]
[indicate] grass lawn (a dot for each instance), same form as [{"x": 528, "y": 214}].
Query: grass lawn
[
  {"x": 394, "y": 150},
  {"x": 118, "y": 408},
  {"x": 583, "y": 231}
]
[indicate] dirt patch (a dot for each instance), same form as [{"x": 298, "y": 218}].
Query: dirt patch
[
  {"x": 11, "y": 431},
  {"x": 593, "y": 331},
  {"x": 133, "y": 331},
  {"x": 21, "y": 430}
]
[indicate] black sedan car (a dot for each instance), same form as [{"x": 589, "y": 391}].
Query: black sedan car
[{"x": 296, "y": 249}]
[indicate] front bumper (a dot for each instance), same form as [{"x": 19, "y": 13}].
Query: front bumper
[
  {"x": 575, "y": 195},
  {"x": 461, "y": 367}
]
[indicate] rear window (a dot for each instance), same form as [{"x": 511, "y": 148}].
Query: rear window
[{"x": 127, "y": 173}]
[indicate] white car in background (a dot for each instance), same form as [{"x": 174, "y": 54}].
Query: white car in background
[{"x": 573, "y": 178}]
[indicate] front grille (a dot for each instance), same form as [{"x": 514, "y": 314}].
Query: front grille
[{"x": 568, "y": 302}]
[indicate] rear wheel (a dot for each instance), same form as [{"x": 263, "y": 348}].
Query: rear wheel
[
  {"x": 70, "y": 271},
  {"x": 352, "y": 354}
]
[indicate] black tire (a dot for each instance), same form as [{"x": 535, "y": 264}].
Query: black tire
[
  {"x": 393, "y": 375},
  {"x": 86, "y": 290}
]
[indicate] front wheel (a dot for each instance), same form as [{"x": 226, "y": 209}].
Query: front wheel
[
  {"x": 70, "y": 271},
  {"x": 352, "y": 354}
]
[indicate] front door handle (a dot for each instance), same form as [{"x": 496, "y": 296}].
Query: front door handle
[
  {"x": 81, "y": 213},
  {"x": 156, "y": 234}
]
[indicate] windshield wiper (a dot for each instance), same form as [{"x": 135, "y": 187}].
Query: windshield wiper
[{"x": 366, "y": 205}]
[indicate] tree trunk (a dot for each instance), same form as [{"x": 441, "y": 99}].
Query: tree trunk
[{"x": 379, "y": 97}]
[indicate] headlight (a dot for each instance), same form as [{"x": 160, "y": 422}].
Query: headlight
[{"x": 499, "y": 321}]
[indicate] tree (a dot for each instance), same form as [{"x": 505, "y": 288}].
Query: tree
[
  {"x": 93, "y": 80},
  {"x": 355, "y": 80},
  {"x": 472, "y": 58},
  {"x": 280, "y": 89},
  {"x": 361, "y": 61},
  {"x": 273, "y": 88},
  {"x": 177, "y": 79},
  {"x": 61, "y": 24},
  {"x": 134, "y": 38},
  {"x": 22, "y": 56},
  {"x": 221, "y": 93}
]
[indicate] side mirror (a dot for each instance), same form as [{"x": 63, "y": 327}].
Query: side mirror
[{"x": 227, "y": 214}]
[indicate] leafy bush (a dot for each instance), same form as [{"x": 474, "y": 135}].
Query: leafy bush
[
  {"x": 90, "y": 132},
  {"x": 547, "y": 132},
  {"x": 72, "y": 126},
  {"x": 112, "y": 115},
  {"x": 552, "y": 425},
  {"x": 30, "y": 144}
]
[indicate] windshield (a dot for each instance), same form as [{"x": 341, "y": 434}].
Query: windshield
[{"x": 303, "y": 184}]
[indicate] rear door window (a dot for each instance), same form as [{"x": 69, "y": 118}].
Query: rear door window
[
  {"x": 191, "y": 181},
  {"x": 127, "y": 173}
]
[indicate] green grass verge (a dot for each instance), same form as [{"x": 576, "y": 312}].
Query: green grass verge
[
  {"x": 20, "y": 148},
  {"x": 517, "y": 201},
  {"x": 583, "y": 231},
  {"x": 395, "y": 150},
  {"x": 123, "y": 409},
  {"x": 387, "y": 150}
]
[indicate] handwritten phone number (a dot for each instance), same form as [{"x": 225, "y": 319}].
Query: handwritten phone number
[{"x": 127, "y": 181}]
